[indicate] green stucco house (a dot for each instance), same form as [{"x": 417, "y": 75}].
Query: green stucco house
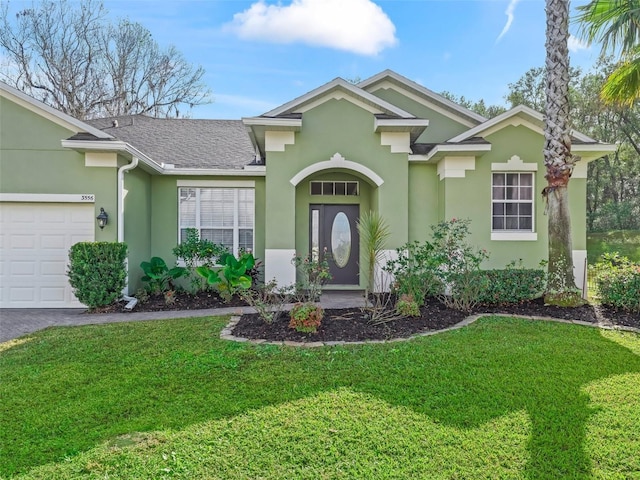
[{"x": 294, "y": 179}]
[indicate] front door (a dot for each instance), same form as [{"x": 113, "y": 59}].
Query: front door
[{"x": 333, "y": 230}]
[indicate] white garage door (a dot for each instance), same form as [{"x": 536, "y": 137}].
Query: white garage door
[{"x": 34, "y": 252}]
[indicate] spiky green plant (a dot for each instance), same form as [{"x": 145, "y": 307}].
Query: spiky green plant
[{"x": 374, "y": 232}]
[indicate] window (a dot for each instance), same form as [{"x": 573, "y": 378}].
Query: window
[
  {"x": 335, "y": 188},
  {"x": 512, "y": 202},
  {"x": 223, "y": 215}
]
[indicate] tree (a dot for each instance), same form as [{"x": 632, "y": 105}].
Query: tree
[
  {"x": 557, "y": 154},
  {"x": 613, "y": 183},
  {"x": 616, "y": 23},
  {"x": 73, "y": 58},
  {"x": 479, "y": 107}
]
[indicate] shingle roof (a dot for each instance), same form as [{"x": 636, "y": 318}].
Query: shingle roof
[{"x": 186, "y": 143}]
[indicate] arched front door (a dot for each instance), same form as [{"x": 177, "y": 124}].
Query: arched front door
[{"x": 333, "y": 229}]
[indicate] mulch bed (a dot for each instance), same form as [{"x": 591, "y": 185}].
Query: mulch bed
[{"x": 353, "y": 324}]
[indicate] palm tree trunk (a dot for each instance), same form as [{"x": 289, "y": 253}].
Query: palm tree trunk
[{"x": 557, "y": 152}]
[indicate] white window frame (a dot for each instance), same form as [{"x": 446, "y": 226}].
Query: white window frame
[
  {"x": 236, "y": 211},
  {"x": 505, "y": 234}
]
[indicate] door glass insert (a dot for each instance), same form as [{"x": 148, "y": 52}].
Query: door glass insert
[
  {"x": 315, "y": 235},
  {"x": 341, "y": 239}
]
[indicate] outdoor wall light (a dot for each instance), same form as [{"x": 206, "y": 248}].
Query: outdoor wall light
[{"x": 103, "y": 218}]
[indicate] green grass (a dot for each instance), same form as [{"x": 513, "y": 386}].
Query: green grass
[
  {"x": 625, "y": 242},
  {"x": 502, "y": 398}
]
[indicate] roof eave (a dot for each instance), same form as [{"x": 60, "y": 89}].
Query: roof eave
[
  {"x": 440, "y": 151},
  {"x": 68, "y": 121}
]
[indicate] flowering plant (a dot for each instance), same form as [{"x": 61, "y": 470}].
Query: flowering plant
[{"x": 314, "y": 273}]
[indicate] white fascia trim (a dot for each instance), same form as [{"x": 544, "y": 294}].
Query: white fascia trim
[
  {"x": 48, "y": 197},
  {"x": 515, "y": 236},
  {"x": 465, "y": 112},
  {"x": 116, "y": 145},
  {"x": 294, "y": 124},
  {"x": 215, "y": 172},
  {"x": 521, "y": 110},
  {"x": 337, "y": 161},
  {"x": 48, "y": 112},
  {"x": 394, "y": 124},
  {"x": 447, "y": 149},
  {"x": 603, "y": 148},
  {"x": 217, "y": 183},
  {"x": 335, "y": 84},
  {"x": 418, "y": 158}
]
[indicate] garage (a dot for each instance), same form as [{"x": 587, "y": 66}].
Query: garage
[{"x": 34, "y": 252}]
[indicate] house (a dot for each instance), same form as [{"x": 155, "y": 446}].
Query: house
[{"x": 291, "y": 180}]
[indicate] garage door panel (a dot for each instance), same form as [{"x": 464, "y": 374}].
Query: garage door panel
[
  {"x": 22, "y": 268},
  {"x": 22, "y": 294},
  {"x": 53, "y": 268},
  {"x": 35, "y": 252},
  {"x": 52, "y": 294},
  {"x": 22, "y": 242},
  {"x": 57, "y": 241}
]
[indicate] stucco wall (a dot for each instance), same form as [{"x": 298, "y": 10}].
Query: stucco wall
[
  {"x": 164, "y": 213},
  {"x": 441, "y": 127},
  {"x": 32, "y": 160}
]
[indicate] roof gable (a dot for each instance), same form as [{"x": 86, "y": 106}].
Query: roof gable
[
  {"x": 50, "y": 113},
  {"x": 420, "y": 94},
  {"x": 520, "y": 115},
  {"x": 338, "y": 89}
]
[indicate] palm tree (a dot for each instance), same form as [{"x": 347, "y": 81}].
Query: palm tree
[
  {"x": 557, "y": 154},
  {"x": 616, "y": 23}
]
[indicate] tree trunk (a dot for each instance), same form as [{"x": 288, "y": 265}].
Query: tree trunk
[{"x": 557, "y": 155}]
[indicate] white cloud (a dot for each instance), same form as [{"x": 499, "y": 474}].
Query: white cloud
[
  {"x": 575, "y": 44},
  {"x": 509, "y": 13},
  {"x": 358, "y": 26}
]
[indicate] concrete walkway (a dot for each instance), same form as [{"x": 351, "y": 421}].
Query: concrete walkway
[{"x": 16, "y": 322}]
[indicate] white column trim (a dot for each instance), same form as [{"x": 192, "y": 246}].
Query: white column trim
[
  {"x": 455, "y": 167},
  {"x": 398, "y": 141},
  {"x": 276, "y": 141},
  {"x": 100, "y": 159},
  {"x": 579, "y": 257},
  {"x": 278, "y": 266}
]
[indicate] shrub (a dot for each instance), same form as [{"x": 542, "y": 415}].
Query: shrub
[
  {"x": 97, "y": 272},
  {"x": 511, "y": 285},
  {"x": 306, "y": 317},
  {"x": 458, "y": 264},
  {"x": 196, "y": 252},
  {"x": 618, "y": 282},
  {"x": 314, "y": 273},
  {"x": 268, "y": 300},
  {"x": 415, "y": 271},
  {"x": 159, "y": 276},
  {"x": 407, "y": 306}
]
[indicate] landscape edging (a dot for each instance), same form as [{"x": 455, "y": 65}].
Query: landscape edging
[{"x": 226, "y": 333}]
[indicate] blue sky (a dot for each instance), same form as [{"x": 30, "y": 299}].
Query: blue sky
[{"x": 260, "y": 54}]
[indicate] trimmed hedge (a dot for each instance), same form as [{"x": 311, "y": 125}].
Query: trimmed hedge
[
  {"x": 618, "y": 283},
  {"x": 97, "y": 272},
  {"x": 511, "y": 285}
]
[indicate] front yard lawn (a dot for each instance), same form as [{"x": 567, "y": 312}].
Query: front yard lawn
[{"x": 501, "y": 398}]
